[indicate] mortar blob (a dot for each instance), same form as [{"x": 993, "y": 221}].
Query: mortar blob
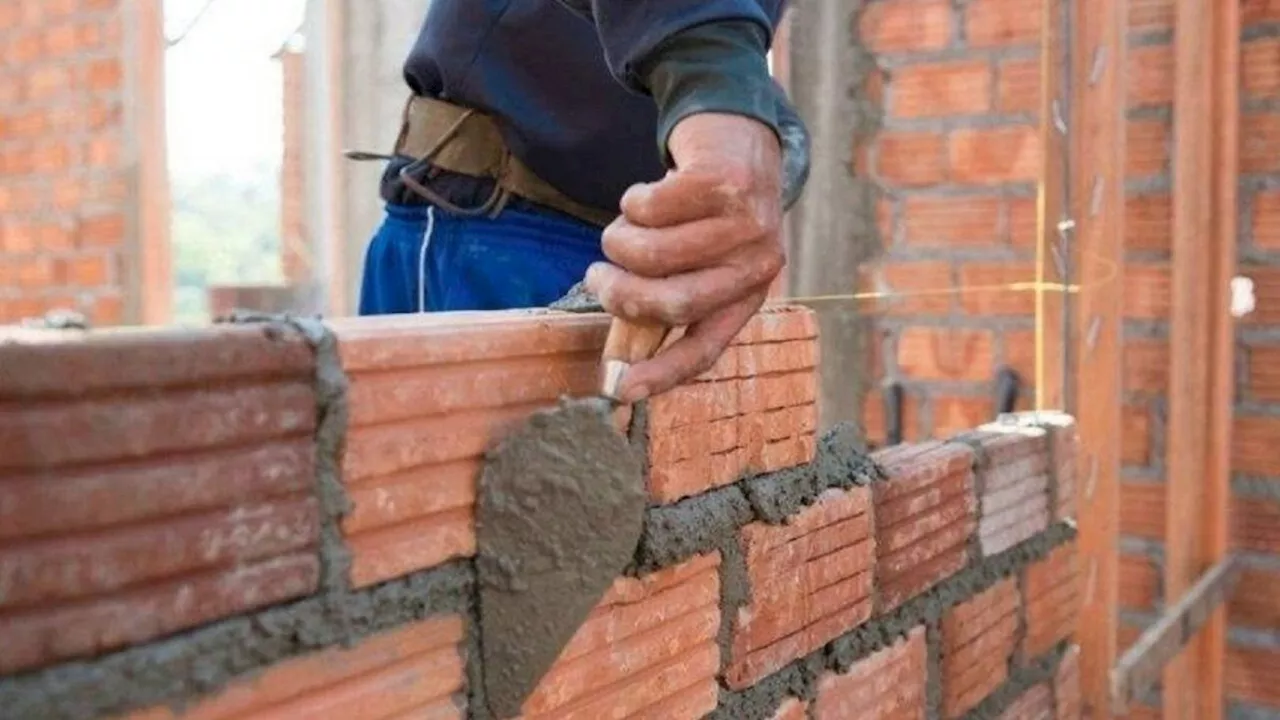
[{"x": 559, "y": 516}]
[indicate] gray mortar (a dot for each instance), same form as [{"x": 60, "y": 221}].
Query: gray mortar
[
  {"x": 841, "y": 461},
  {"x": 577, "y": 300},
  {"x": 694, "y": 526},
  {"x": 330, "y": 437},
  {"x": 1241, "y": 711},
  {"x": 180, "y": 669},
  {"x": 981, "y": 461},
  {"x": 933, "y": 695},
  {"x": 559, "y": 516},
  {"x": 1021, "y": 680},
  {"x": 735, "y": 593},
  {"x": 762, "y": 700}
]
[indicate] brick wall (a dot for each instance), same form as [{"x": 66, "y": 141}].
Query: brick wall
[
  {"x": 83, "y": 218},
  {"x": 278, "y": 520},
  {"x": 957, "y": 159}
]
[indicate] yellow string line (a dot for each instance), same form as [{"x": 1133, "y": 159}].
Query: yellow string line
[{"x": 1028, "y": 286}]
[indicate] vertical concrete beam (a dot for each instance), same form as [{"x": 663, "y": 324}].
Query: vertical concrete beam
[{"x": 833, "y": 228}]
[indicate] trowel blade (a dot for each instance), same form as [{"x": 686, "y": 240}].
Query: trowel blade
[{"x": 559, "y": 515}]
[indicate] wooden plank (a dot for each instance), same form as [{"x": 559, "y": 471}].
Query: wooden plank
[
  {"x": 149, "y": 262},
  {"x": 1189, "y": 339},
  {"x": 1215, "y": 515},
  {"x": 1140, "y": 668},
  {"x": 1051, "y": 260},
  {"x": 1099, "y": 51}
]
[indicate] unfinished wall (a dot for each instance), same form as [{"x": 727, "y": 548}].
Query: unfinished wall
[
  {"x": 83, "y": 192},
  {"x": 957, "y": 161},
  {"x": 285, "y": 527}
]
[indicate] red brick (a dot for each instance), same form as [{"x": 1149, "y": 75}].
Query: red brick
[
  {"x": 1253, "y": 445},
  {"x": 1256, "y": 524},
  {"x": 1147, "y": 148},
  {"x": 1146, "y": 365},
  {"x": 1260, "y": 67},
  {"x": 428, "y": 396},
  {"x": 888, "y": 683},
  {"x": 1253, "y": 675},
  {"x": 1066, "y": 686},
  {"x": 1139, "y": 582},
  {"x": 1147, "y": 291},
  {"x": 925, "y": 515},
  {"x": 1002, "y": 22},
  {"x": 1148, "y": 222},
  {"x": 911, "y": 159},
  {"x": 1034, "y": 703},
  {"x": 941, "y": 89},
  {"x": 1052, "y": 600},
  {"x": 810, "y": 583},
  {"x": 909, "y": 288},
  {"x": 1135, "y": 435},
  {"x": 1151, "y": 14},
  {"x": 792, "y": 709},
  {"x": 1018, "y": 86},
  {"x": 1266, "y": 283},
  {"x": 873, "y": 418},
  {"x": 1255, "y": 11},
  {"x": 953, "y": 414},
  {"x": 1023, "y": 221},
  {"x": 1150, "y": 73},
  {"x": 214, "y": 502},
  {"x": 1259, "y": 143},
  {"x": 649, "y": 644},
  {"x": 1253, "y": 603},
  {"x": 995, "y": 155},
  {"x": 415, "y": 670},
  {"x": 906, "y": 25},
  {"x": 952, "y": 221},
  {"x": 988, "y": 288},
  {"x": 926, "y": 353},
  {"x": 1142, "y": 510}
]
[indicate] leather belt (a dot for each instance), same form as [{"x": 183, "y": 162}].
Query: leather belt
[{"x": 444, "y": 136}]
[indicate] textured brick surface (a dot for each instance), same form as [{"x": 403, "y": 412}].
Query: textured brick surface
[
  {"x": 792, "y": 709},
  {"x": 887, "y": 684},
  {"x": 1253, "y": 675},
  {"x": 755, "y": 411},
  {"x": 978, "y": 639},
  {"x": 411, "y": 672},
  {"x": 1052, "y": 600},
  {"x": 1035, "y": 703},
  {"x": 925, "y": 515},
  {"x": 648, "y": 649},
  {"x": 1014, "y": 484},
  {"x": 1066, "y": 686},
  {"x": 69, "y": 187},
  {"x": 428, "y": 396},
  {"x": 150, "y": 483},
  {"x": 810, "y": 582}
]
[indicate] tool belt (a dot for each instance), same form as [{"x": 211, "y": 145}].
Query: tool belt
[{"x": 443, "y": 136}]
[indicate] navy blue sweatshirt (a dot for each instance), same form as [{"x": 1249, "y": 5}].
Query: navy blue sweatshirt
[{"x": 582, "y": 94}]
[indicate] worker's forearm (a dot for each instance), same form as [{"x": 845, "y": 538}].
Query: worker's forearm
[{"x": 721, "y": 67}]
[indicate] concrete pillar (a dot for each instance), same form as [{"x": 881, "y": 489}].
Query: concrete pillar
[
  {"x": 355, "y": 95},
  {"x": 833, "y": 229}
]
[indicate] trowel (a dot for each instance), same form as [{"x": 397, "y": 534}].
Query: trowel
[{"x": 559, "y": 514}]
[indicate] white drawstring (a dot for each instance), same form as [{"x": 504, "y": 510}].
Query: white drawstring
[{"x": 422, "y": 259}]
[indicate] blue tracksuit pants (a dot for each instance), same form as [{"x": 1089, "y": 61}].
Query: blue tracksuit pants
[{"x": 423, "y": 259}]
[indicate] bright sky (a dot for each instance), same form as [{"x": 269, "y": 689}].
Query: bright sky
[{"x": 223, "y": 87}]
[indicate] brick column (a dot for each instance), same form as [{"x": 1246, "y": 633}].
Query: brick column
[{"x": 83, "y": 192}]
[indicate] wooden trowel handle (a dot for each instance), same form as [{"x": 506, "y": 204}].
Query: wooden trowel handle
[{"x": 628, "y": 343}]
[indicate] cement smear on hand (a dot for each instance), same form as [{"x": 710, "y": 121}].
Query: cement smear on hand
[{"x": 560, "y": 513}]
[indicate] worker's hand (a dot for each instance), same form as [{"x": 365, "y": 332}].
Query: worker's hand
[{"x": 699, "y": 248}]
